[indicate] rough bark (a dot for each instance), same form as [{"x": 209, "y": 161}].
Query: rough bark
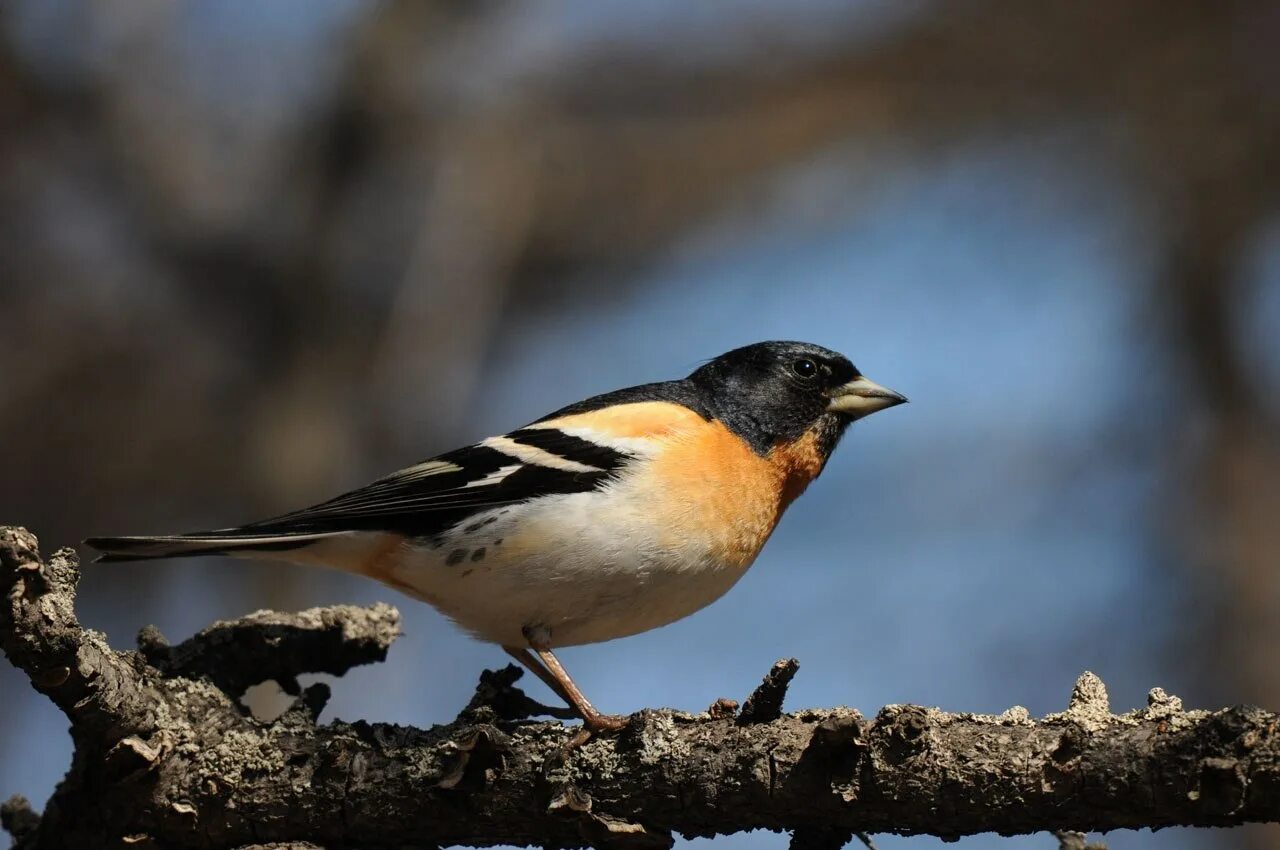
[{"x": 166, "y": 756}]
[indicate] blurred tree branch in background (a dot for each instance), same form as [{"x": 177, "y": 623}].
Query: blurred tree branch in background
[
  {"x": 166, "y": 755},
  {"x": 500, "y": 193},
  {"x": 382, "y": 222}
]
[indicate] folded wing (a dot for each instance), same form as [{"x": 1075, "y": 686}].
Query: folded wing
[{"x": 420, "y": 501}]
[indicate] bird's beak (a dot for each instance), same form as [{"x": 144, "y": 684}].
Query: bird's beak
[{"x": 861, "y": 397}]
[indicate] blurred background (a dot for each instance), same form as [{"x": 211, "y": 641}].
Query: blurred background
[{"x": 255, "y": 253}]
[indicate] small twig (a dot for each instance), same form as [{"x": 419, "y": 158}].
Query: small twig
[
  {"x": 497, "y": 693},
  {"x": 765, "y": 702},
  {"x": 18, "y": 818},
  {"x": 866, "y": 840}
]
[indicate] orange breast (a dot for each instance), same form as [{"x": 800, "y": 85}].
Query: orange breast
[
  {"x": 708, "y": 485},
  {"x": 797, "y": 463}
]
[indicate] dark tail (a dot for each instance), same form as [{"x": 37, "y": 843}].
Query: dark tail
[{"x": 229, "y": 542}]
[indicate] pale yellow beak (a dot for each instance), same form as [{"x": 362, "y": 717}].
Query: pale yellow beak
[{"x": 861, "y": 397}]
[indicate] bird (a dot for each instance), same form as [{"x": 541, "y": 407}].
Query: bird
[{"x": 606, "y": 518}]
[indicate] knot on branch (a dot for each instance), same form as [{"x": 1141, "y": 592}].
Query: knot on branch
[
  {"x": 18, "y": 818},
  {"x": 37, "y": 590},
  {"x": 1069, "y": 840},
  {"x": 1089, "y": 706},
  {"x": 40, "y": 634}
]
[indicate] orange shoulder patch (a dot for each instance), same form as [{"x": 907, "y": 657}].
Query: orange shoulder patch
[{"x": 637, "y": 419}]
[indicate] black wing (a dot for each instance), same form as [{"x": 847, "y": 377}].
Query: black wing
[
  {"x": 432, "y": 496},
  {"x": 423, "y": 500}
]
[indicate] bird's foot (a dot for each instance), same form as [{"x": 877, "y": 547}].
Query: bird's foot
[
  {"x": 593, "y": 725},
  {"x": 597, "y": 723}
]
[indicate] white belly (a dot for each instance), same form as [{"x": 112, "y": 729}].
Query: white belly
[{"x": 587, "y": 567}]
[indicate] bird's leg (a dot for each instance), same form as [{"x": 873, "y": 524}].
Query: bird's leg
[
  {"x": 592, "y": 719},
  {"x": 552, "y": 672},
  {"x": 534, "y": 666}
]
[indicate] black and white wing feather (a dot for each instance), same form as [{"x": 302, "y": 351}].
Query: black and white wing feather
[{"x": 420, "y": 501}]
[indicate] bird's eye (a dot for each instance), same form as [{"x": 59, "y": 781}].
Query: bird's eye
[{"x": 804, "y": 368}]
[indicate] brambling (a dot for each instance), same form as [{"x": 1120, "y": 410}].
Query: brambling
[{"x": 606, "y": 518}]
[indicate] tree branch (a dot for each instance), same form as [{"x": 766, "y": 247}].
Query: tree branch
[
  {"x": 269, "y": 645},
  {"x": 166, "y": 755}
]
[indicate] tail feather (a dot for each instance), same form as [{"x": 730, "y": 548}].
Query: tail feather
[{"x": 145, "y": 548}]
